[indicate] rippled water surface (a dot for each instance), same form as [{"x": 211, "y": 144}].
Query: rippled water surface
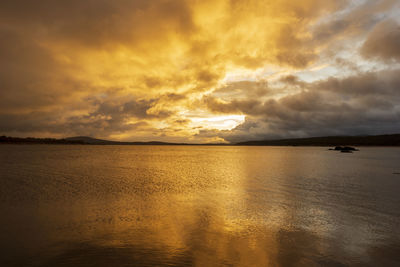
[{"x": 198, "y": 206}]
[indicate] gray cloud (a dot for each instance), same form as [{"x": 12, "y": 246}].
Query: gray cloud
[
  {"x": 383, "y": 42},
  {"x": 100, "y": 67},
  {"x": 244, "y": 89},
  {"x": 367, "y": 103},
  {"x": 108, "y": 116}
]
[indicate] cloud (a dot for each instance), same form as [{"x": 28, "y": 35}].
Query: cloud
[
  {"x": 28, "y": 75},
  {"x": 243, "y": 89},
  {"x": 146, "y": 69},
  {"x": 101, "y": 22},
  {"x": 383, "y": 42},
  {"x": 367, "y": 103}
]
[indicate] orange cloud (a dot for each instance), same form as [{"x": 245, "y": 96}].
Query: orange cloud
[{"x": 139, "y": 69}]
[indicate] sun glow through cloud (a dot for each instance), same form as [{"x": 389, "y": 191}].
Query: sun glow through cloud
[
  {"x": 199, "y": 70},
  {"x": 227, "y": 122}
]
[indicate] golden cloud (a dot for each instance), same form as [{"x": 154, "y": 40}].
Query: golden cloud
[{"x": 148, "y": 69}]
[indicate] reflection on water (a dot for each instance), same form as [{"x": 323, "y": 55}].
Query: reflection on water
[{"x": 198, "y": 206}]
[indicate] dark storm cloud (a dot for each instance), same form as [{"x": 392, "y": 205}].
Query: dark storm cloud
[
  {"x": 368, "y": 103},
  {"x": 108, "y": 116},
  {"x": 43, "y": 87},
  {"x": 100, "y": 67}
]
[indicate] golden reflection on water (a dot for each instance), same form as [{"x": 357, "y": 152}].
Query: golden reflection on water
[{"x": 192, "y": 206}]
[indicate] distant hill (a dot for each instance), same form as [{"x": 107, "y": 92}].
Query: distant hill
[
  {"x": 369, "y": 140},
  {"x": 372, "y": 140},
  {"x": 80, "y": 140},
  {"x": 32, "y": 140},
  {"x": 90, "y": 140},
  {"x": 95, "y": 141}
]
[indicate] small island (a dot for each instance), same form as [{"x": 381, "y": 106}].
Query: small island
[{"x": 344, "y": 149}]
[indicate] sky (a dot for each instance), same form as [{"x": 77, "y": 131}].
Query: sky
[{"x": 199, "y": 70}]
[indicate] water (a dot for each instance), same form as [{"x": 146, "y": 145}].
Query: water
[{"x": 198, "y": 206}]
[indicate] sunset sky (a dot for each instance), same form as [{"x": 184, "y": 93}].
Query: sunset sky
[{"x": 199, "y": 71}]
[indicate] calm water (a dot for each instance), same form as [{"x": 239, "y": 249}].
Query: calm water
[{"x": 198, "y": 206}]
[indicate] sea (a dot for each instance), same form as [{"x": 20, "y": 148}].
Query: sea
[{"x": 89, "y": 205}]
